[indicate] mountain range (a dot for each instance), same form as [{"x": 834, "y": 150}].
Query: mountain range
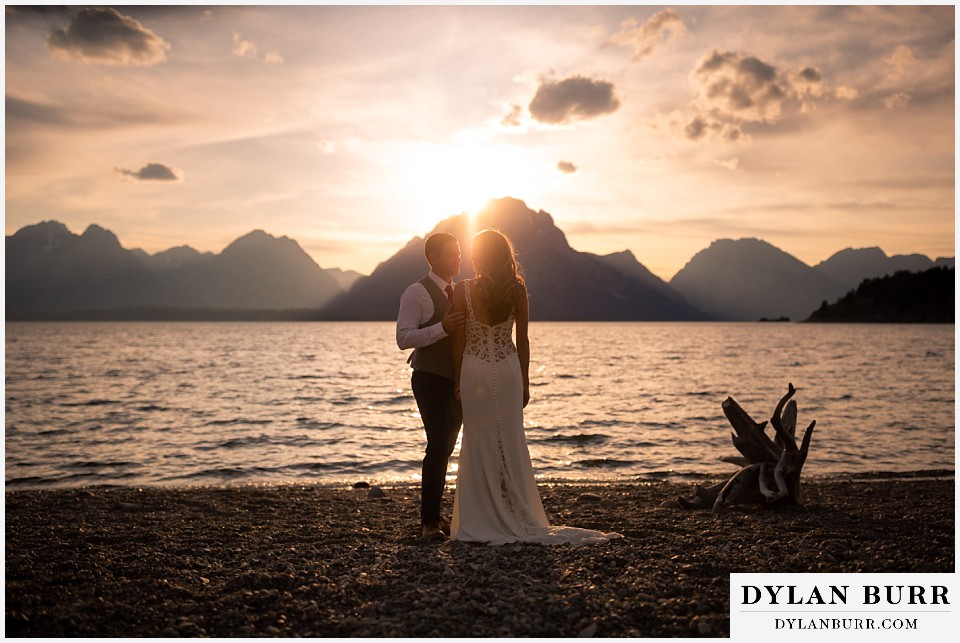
[
  {"x": 48, "y": 268},
  {"x": 54, "y": 273},
  {"x": 564, "y": 284},
  {"x": 749, "y": 279}
]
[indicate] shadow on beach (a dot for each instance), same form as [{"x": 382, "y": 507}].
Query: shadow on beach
[{"x": 331, "y": 561}]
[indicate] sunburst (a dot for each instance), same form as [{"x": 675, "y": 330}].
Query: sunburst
[{"x": 444, "y": 180}]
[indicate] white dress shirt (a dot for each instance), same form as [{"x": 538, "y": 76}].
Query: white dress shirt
[{"x": 416, "y": 308}]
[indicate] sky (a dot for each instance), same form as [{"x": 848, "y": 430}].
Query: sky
[{"x": 351, "y": 129}]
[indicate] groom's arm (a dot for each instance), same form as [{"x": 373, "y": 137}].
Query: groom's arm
[{"x": 409, "y": 333}]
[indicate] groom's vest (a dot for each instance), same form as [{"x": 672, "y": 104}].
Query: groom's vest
[{"x": 436, "y": 358}]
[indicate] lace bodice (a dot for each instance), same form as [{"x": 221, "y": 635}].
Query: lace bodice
[{"x": 485, "y": 342}]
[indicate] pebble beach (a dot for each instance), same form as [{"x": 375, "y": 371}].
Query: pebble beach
[{"x": 325, "y": 561}]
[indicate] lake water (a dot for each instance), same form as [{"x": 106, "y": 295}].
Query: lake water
[{"x": 251, "y": 403}]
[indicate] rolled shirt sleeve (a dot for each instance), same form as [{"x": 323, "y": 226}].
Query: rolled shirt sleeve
[{"x": 416, "y": 307}]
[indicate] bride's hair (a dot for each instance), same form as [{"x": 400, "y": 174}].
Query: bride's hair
[{"x": 498, "y": 274}]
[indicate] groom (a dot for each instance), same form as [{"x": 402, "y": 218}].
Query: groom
[{"x": 425, "y": 323}]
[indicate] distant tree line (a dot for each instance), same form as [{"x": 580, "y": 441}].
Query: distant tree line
[{"x": 903, "y": 297}]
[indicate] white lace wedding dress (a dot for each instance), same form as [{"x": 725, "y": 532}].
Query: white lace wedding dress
[{"x": 497, "y": 501}]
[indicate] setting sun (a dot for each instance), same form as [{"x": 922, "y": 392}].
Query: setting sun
[{"x": 443, "y": 180}]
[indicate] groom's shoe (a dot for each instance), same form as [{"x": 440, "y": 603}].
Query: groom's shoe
[
  {"x": 444, "y": 526},
  {"x": 431, "y": 531}
]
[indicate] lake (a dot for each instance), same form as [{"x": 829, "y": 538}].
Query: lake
[{"x": 263, "y": 403}]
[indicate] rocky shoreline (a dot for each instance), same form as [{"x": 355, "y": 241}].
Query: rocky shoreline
[{"x": 302, "y": 560}]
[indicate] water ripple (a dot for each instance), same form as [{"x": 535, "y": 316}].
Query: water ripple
[
  {"x": 581, "y": 438},
  {"x": 115, "y": 403}
]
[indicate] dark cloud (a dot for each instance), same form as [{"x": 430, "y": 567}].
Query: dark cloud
[
  {"x": 572, "y": 99},
  {"x": 662, "y": 26},
  {"x": 807, "y": 83},
  {"x": 704, "y": 126},
  {"x": 810, "y": 75},
  {"x": 738, "y": 89},
  {"x": 29, "y": 11},
  {"x": 151, "y": 172},
  {"x": 741, "y": 86},
  {"x": 567, "y": 167},
  {"x": 696, "y": 129},
  {"x": 105, "y": 36}
]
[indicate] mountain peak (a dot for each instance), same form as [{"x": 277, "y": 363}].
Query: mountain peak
[
  {"x": 174, "y": 258},
  {"x": 746, "y": 279},
  {"x": 43, "y": 229},
  {"x": 623, "y": 254},
  {"x": 258, "y": 240},
  {"x": 873, "y": 251},
  {"x": 255, "y": 235},
  {"x": 520, "y": 223},
  {"x": 509, "y": 209},
  {"x": 506, "y": 204},
  {"x": 851, "y": 266},
  {"x": 98, "y": 234},
  {"x": 743, "y": 242},
  {"x": 748, "y": 252}
]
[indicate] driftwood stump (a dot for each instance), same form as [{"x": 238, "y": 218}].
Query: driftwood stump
[{"x": 771, "y": 468}]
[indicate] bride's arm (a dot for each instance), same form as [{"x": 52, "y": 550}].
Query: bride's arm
[
  {"x": 459, "y": 335},
  {"x": 523, "y": 342}
]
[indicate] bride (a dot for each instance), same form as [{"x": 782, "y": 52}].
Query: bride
[{"x": 497, "y": 500}]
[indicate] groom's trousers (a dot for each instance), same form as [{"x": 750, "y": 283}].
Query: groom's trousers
[{"x": 442, "y": 416}]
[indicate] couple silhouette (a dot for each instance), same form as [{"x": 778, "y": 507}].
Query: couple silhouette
[{"x": 467, "y": 370}]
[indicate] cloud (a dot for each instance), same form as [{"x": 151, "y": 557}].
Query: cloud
[
  {"x": 729, "y": 164},
  {"x": 662, "y": 26},
  {"x": 567, "y": 167},
  {"x": 705, "y": 126},
  {"x": 736, "y": 89},
  {"x": 107, "y": 37},
  {"x": 152, "y": 172},
  {"x": 896, "y": 101},
  {"x": 741, "y": 86},
  {"x": 572, "y": 99},
  {"x": 846, "y": 93},
  {"x": 899, "y": 63},
  {"x": 243, "y": 48},
  {"x": 513, "y": 118},
  {"x": 915, "y": 77},
  {"x": 249, "y": 49},
  {"x": 34, "y": 10},
  {"x": 902, "y": 70},
  {"x": 807, "y": 83}
]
